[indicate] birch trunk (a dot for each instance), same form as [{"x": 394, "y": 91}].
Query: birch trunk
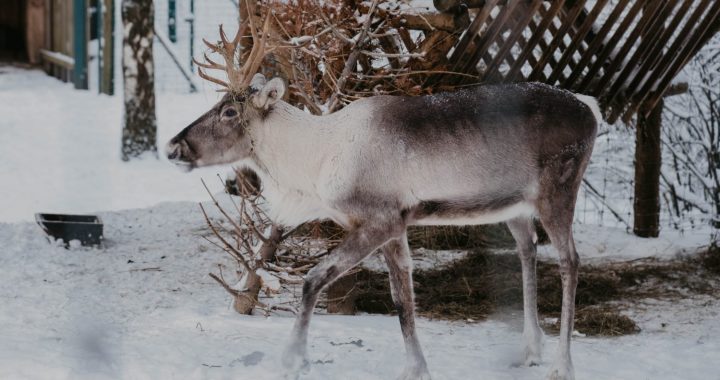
[{"x": 139, "y": 124}]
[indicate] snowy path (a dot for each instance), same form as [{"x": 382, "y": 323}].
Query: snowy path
[{"x": 93, "y": 314}]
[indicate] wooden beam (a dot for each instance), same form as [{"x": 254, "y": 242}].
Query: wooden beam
[
  {"x": 58, "y": 59},
  {"x": 108, "y": 53}
]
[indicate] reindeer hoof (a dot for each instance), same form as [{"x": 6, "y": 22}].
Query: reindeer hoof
[
  {"x": 561, "y": 372},
  {"x": 533, "y": 349},
  {"x": 531, "y": 356},
  {"x": 415, "y": 373},
  {"x": 531, "y": 360},
  {"x": 294, "y": 363}
]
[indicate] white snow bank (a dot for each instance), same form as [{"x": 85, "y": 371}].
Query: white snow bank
[
  {"x": 603, "y": 244},
  {"x": 61, "y": 150},
  {"x": 144, "y": 308}
]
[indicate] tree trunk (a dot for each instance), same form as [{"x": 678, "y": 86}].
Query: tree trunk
[
  {"x": 140, "y": 126},
  {"x": 648, "y": 161}
]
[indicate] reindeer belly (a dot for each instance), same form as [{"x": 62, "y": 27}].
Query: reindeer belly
[
  {"x": 481, "y": 209},
  {"x": 461, "y": 217}
]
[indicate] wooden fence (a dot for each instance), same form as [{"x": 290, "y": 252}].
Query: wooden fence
[
  {"x": 66, "y": 56},
  {"x": 625, "y": 54}
]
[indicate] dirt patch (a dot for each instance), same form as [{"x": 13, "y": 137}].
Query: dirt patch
[
  {"x": 711, "y": 259},
  {"x": 476, "y": 286}
]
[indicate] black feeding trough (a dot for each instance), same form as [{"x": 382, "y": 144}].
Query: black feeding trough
[{"x": 88, "y": 229}]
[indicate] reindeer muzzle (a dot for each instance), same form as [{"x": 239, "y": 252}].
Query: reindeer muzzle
[{"x": 179, "y": 153}]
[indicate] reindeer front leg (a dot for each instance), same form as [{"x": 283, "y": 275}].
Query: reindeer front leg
[
  {"x": 358, "y": 244},
  {"x": 399, "y": 262}
]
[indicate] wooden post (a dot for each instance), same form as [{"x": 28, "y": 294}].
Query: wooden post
[
  {"x": 648, "y": 161},
  {"x": 108, "y": 48}
]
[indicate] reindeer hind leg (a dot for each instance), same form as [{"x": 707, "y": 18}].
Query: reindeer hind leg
[
  {"x": 523, "y": 230},
  {"x": 559, "y": 184}
]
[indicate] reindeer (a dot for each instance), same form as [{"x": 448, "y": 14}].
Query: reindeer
[{"x": 488, "y": 154}]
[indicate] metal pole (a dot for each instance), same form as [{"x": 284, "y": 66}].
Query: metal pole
[
  {"x": 191, "y": 20},
  {"x": 101, "y": 43},
  {"x": 80, "y": 44},
  {"x": 172, "y": 21}
]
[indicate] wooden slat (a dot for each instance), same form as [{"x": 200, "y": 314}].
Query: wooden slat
[
  {"x": 704, "y": 28},
  {"x": 521, "y": 23},
  {"x": 572, "y": 15},
  {"x": 611, "y": 45},
  {"x": 682, "y": 39},
  {"x": 596, "y": 44},
  {"x": 537, "y": 37},
  {"x": 468, "y": 52},
  {"x": 655, "y": 55},
  {"x": 526, "y": 48},
  {"x": 511, "y": 59},
  {"x": 59, "y": 59},
  {"x": 544, "y": 46},
  {"x": 490, "y": 35},
  {"x": 619, "y": 82},
  {"x": 572, "y": 48},
  {"x": 640, "y": 28},
  {"x": 461, "y": 47},
  {"x": 472, "y": 31}
]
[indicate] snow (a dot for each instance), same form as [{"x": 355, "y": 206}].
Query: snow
[
  {"x": 606, "y": 244},
  {"x": 143, "y": 307},
  {"x": 61, "y": 150}
]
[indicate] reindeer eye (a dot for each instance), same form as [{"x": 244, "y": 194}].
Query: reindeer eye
[{"x": 230, "y": 112}]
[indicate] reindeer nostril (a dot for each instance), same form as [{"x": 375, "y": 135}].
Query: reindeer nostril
[{"x": 172, "y": 150}]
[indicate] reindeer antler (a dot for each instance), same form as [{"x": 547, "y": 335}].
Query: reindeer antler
[{"x": 239, "y": 76}]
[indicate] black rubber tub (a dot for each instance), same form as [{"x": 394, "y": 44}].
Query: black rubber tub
[{"x": 88, "y": 229}]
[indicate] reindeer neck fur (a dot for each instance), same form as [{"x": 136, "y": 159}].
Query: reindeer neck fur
[{"x": 294, "y": 153}]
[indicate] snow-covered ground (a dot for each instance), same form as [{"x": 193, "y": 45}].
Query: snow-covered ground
[
  {"x": 60, "y": 150},
  {"x": 143, "y": 306}
]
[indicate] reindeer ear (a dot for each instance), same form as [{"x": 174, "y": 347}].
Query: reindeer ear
[
  {"x": 257, "y": 82},
  {"x": 269, "y": 94}
]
